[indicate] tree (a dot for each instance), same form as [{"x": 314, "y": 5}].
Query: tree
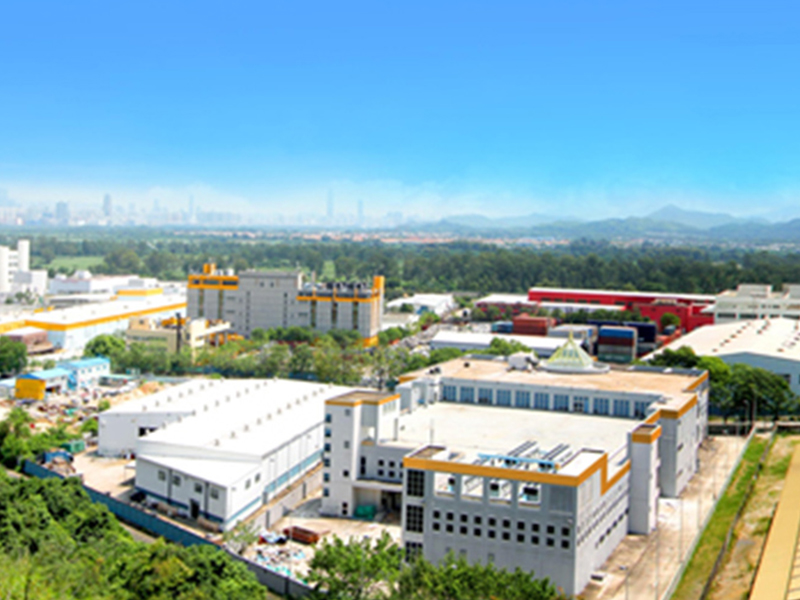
[
  {"x": 684, "y": 358},
  {"x": 670, "y": 319},
  {"x": 456, "y": 579},
  {"x": 507, "y": 347},
  {"x": 109, "y": 346},
  {"x": 241, "y": 536},
  {"x": 275, "y": 361},
  {"x": 260, "y": 336},
  {"x": 356, "y": 570},
  {"x": 13, "y": 356},
  {"x": 760, "y": 391}
]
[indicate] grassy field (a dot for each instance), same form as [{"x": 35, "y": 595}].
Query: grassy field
[
  {"x": 710, "y": 544},
  {"x": 328, "y": 271},
  {"x": 75, "y": 262},
  {"x": 736, "y": 574}
]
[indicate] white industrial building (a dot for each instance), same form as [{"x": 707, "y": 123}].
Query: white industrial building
[
  {"x": 12, "y": 261},
  {"x": 468, "y": 341},
  {"x": 219, "y": 449},
  {"x": 544, "y": 468},
  {"x": 438, "y": 304},
  {"x": 756, "y": 301},
  {"x": 83, "y": 282},
  {"x": 72, "y": 328},
  {"x": 771, "y": 344}
]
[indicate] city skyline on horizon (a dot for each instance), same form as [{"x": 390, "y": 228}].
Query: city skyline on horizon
[{"x": 432, "y": 110}]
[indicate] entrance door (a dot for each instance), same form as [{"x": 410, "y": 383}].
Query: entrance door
[{"x": 194, "y": 508}]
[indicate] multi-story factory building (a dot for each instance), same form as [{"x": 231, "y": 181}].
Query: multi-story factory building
[
  {"x": 543, "y": 467},
  {"x": 266, "y": 299}
]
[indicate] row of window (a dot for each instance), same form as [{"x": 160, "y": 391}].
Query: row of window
[
  {"x": 493, "y": 522},
  {"x": 541, "y": 401},
  {"x": 505, "y": 536},
  {"x": 177, "y": 480}
]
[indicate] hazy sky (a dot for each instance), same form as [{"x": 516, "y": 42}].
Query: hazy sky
[{"x": 584, "y": 108}]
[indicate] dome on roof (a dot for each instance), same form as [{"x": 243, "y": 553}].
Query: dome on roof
[{"x": 571, "y": 358}]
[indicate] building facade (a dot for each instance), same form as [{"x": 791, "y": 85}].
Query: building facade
[
  {"x": 218, "y": 450},
  {"x": 757, "y": 301},
  {"x": 544, "y": 468},
  {"x": 268, "y": 299},
  {"x": 13, "y": 261}
]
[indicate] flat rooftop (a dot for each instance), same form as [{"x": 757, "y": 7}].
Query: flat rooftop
[
  {"x": 674, "y": 387},
  {"x": 700, "y": 298},
  {"x": 469, "y": 430},
  {"x": 777, "y": 338},
  {"x": 105, "y": 311}
]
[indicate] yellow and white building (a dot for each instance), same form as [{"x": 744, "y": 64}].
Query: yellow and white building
[
  {"x": 543, "y": 467},
  {"x": 267, "y": 299}
]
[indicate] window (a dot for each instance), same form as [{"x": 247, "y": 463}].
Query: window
[
  {"x": 640, "y": 409},
  {"x": 503, "y": 397},
  {"x": 491, "y": 534},
  {"x": 436, "y": 514},
  {"x": 326, "y": 462},
  {"x": 436, "y": 526},
  {"x": 476, "y": 532},
  {"x": 415, "y": 483},
  {"x": 258, "y": 477},
  {"x": 328, "y": 418},
  {"x": 449, "y": 516},
  {"x": 521, "y": 525},
  {"x": 467, "y": 394},
  {"x": 176, "y": 480},
  {"x": 580, "y": 404},
  {"x": 622, "y": 408},
  {"x": 565, "y": 544},
  {"x": 413, "y": 551},
  {"x": 520, "y": 538},
  {"x": 484, "y": 396},
  {"x": 601, "y": 406},
  {"x": 326, "y": 477},
  {"x": 327, "y": 447},
  {"x": 535, "y": 527},
  {"x": 449, "y": 393},
  {"x": 541, "y": 400},
  {"x": 448, "y": 528},
  {"x": 346, "y": 412},
  {"x": 492, "y": 521},
  {"x": 550, "y": 542},
  {"x": 391, "y": 464},
  {"x": 535, "y": 540},
  {"x": 214, "y": 493},
  {"x": 326, "y": 492},
  {"x": 327, "y": 432},
  {"x": 464, "y": 518},
  {"x": 477, "y": 520},
  {"x": 463, "y": 530},
  {"x": 550, "y": 529},
  {"x": 347, "y": 444},
  {"x": 380, "y": 472},
  {"x": 414, "y": 518},
  {"x": 561, "y": 402},
  {"x": 247, "y": 484},
  {"x": 522, "y": 399},
  {"x": 565, "y": 531},
  {"x": 506, "y": 523},
  {"x": 198, "y": 489},
  {"x": 380, "y": 462},
  {"x": 345, "y": 473},
  {"x": 162, "y": 476},
  {"x": 391, "y": 474}
]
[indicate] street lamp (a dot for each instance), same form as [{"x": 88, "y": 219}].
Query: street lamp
[{"x": 624, "y": 569}]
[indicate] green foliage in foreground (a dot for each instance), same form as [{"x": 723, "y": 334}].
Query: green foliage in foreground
[
  {"x": 56, "y": 543},
  {"x": 708, "y": 548},
  {"x": 367, "y": 570},
  {"x": 18, "y": 440}
]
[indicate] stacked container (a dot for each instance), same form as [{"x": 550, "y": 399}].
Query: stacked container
[
  {"x": 528, "y": 325},
  {"x": 616, "y": 344},
  {"x": 647, "y": 334},
  {"x": 502, "y": 327}
]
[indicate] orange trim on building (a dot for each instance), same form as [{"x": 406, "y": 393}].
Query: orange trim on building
[
  {"x": 646, "y": 434},
  {"x": 344, "y": 401},
  {"x": 601, "y": 464},
  {"x": 141, "y": 292},
  {"x": 119, "y": 317},
  {"x": 700, "y": 380}
]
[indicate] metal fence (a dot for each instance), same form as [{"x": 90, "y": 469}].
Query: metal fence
[{"x": 152, "y": 523}]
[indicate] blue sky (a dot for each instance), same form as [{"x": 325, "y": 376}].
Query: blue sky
[{"x": 581, "y": 108}]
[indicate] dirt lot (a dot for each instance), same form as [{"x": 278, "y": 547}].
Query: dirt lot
[
  {"x": 630, "y": 572},
  {"x": 736, "y": 576}
]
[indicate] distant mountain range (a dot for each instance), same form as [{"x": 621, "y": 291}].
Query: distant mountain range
[{"x": 669, "y": 223}]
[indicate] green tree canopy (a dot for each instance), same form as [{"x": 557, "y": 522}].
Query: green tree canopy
[
  {"x": 106, "y": 345},
  {"x": 13, "y": 356}
]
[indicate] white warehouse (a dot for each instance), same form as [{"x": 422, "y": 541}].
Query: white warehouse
[
  {"x": 543, "y": 468},
  {"x": 220, "y": 449}
]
